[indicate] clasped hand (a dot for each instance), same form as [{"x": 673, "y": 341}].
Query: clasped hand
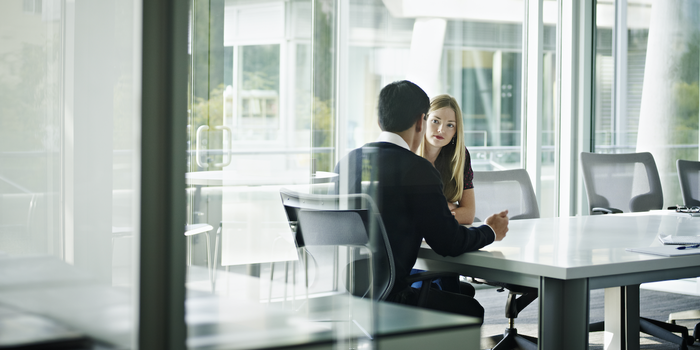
[{"x": 499, "y": 224}]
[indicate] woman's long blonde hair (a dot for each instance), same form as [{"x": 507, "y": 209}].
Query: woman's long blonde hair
[{"x": 450, "y": 161}]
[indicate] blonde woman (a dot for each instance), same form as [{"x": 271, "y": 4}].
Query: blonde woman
[{"x": 442, "y": 146}]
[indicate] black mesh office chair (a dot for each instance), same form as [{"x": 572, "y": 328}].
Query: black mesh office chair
[
  {"x": 495, "y": 191},
  {"x": 623, "y": 183},
  {"x": 352, "y": 221},
  {"x": 689, "y": 178}
]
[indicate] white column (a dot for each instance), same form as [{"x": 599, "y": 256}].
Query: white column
[
  {"x": 658, "y": 93},
  {"x": 426, "y": 54}
]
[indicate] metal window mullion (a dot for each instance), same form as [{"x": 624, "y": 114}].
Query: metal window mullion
[
  {"x": 620, "y": 80},
  {"x": 563, "y": 117},
  {"x": 163, "y": 88},
  {"x": 585, "y": 95},
  {"x": 341, "y": 84},
  {"x": 573, "y": 45},
  {"x": 533, "y": 93}
]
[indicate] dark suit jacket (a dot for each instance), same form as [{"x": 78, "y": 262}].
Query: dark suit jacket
[{"x": 408, "y": 192}]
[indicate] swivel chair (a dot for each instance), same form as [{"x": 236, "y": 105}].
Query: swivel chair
[
  {"x": 495, "y": 191},
  {"x": 622, "y": 183},
  {"x": 353, "y": 221},
  {"x": 689, "y": 178}
]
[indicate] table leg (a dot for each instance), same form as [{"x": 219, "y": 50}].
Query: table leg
[
  {"x": 622, "y": 318},
  {"x": 563, "y": 319}
]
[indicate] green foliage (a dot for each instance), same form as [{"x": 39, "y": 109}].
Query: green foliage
[
  {"x": 260, "y": 67},
  {"x": 22, "y": 99},
  {"x": 209, "y": 111},
  {"x": 323, "y": 131},
  {"x": 323, "y": 115}
]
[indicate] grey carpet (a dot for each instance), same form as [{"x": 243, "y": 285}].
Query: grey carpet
[{"x": 655, "y": 305}]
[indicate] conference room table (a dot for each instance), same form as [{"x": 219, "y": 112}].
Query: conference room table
[{"x": 566, "y": 257}]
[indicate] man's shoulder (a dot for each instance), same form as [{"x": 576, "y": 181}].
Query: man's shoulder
[{"x": 396, "y": 158}]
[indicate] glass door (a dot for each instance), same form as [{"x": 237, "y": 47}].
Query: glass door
[{"x": 249, "y": 134}]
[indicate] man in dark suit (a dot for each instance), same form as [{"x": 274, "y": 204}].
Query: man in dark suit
[{"x": 408, "y": 192}]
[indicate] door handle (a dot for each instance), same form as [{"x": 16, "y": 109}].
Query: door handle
[
  {"x": 198, "y": 145},
  {"x": 198, "y": 141},
  {"x": 227, "y": 158}
]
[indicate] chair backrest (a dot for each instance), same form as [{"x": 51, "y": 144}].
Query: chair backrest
[
  {"x": 345, "y": 220},
  {"x": 689, "y": 178},
  {"x": 498, "y": 190},
  {"x": 629, "y": 182}
]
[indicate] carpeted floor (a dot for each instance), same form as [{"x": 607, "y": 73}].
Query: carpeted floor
[{"x": 656, "y": 305}]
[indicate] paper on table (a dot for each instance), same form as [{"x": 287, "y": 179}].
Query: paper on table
[
  {"x": 665, "y": 250},
  {"x": 679, "y": 239}
]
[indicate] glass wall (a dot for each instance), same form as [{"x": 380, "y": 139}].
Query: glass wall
[
  {"x": 473, "y": 53},
  {"x": 646, "y": 84},
  {"x": 69, "y": 173},
  {"x": 279, "y": 90},
  {"x": 475, "y": 56},
  {"x": 257, "y": 123}
]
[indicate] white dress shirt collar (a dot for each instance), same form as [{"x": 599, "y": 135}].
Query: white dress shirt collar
[{"x": 390, "y": 137}]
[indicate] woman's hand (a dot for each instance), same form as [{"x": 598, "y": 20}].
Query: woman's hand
[{"x": 452, "y": 206}]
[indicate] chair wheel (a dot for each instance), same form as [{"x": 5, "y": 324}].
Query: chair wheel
[{"x": 689, "y": 340}]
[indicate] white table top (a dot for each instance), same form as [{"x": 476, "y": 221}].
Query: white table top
[
  {"x": 582, "y": 246},
  {"x": 237, "y": 322},
  {"x": 233, "y": 178}
]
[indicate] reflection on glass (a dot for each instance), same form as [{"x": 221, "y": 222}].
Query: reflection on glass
[
  {"x": 662, "y": 86},
  {"x": 604, "y": 76},
  {"x": 69, "y": 151},
  {"x": 477, "y": 60},
  {"x": 251, "y": 102},
  {"x": 259, "y": 81}
]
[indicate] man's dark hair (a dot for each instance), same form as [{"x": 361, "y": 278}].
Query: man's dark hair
[{"x": 400, "y": 104}]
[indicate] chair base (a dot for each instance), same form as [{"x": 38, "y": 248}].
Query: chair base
[
  {"x": 658, "y": 329},
  {"x": 511, "y": 340}
]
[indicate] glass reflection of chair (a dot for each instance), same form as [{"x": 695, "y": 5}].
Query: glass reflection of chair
[
  {"x": 689, "y": 178},
  {"x": 350, "y": 221},
  {"x": 495, "y": 191},
  {"x": 193, "y": 230},
  {"x": 623, "y": 183}
]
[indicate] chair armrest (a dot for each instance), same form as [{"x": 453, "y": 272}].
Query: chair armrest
[{"x": 599, "y": 210}]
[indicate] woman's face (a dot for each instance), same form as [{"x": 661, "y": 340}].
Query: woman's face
[{"x": 442, "y": 126}]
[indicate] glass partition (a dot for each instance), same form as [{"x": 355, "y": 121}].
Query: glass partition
[
  {"x": 69, "y": 168},
  {"x": 473, "y": 55},
  {"x": 258, "y": 122},
  {"x": 646, "y": 95}
]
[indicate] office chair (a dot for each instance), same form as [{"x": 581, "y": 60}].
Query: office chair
[
  {"x": 689, "y": 178},
  {"x": 354, "y": 221},
  {"x": 499, "y": 190},
  {"x": 495, "y": 191},
  {"x": 623, "y": 183}
]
